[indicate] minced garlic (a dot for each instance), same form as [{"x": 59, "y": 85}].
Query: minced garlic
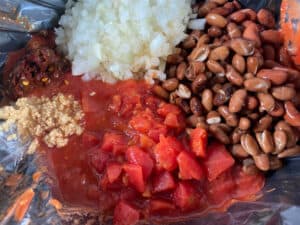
[{"x": 52, "y": 119}]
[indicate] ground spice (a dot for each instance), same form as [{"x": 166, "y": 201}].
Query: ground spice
[{"x": 52, "y": 119}]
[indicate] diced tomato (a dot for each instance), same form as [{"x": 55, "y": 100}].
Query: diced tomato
[
  {"x": 141, "y": 122},
  {"x": 186, "y": 196},
  {"x": 113, "y": 171},
  {"x": 172, "y": 120},
  {"x": 247, "y": 185},
  {"x": 165, "y": 108},
  {"x": 198, "y": 141},
  {"x": 158, "y": 205},
  {"x": 135, "y": 176},
  {"x": 220, "y": 189},
  {"x": 137, "y": 156},
  {"x": 164, "y": 181},
  {"x": 157, "y": 130},
  {"x": 125, "y": 214},
  {"x": 116, "y": 104},
  {"x": 166, "y": 152},
  {"x": 131, "y": 101},
  {"x": 217, "y": 161},
  {"x": 114, "y": 143},
  {"x": 189, "y": 168},
  {"x": 146, "y": 142},
  {"x": 89, "y": 140}
]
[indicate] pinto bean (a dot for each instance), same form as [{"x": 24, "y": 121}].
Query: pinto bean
[
  {"x": 267, "y": 102},
  {"x": 220, "y": 53},
  {"x": 292, "y": 138},
  {"x": 250, "y": 145},
  {"x": 280, "y": 140},
  {"x": 242, "y": 46},
  {"x": 292, "y": 115},
  {"x": 257, "y": 85},
  {"x": 237, "y": 100},
  {"x": 284, "y": 93},
  {"x": 207, "y": 99},
  {"x": 277, "y": 77},
  {"x": 262, "y": 162},
  {"x": 265, "y": 141},
  {"x": 230, "y": 118},
  {"x": 238, "y": 62},
  {"x": 217, "y": 20},
  {"x": 233, "y": 76}
]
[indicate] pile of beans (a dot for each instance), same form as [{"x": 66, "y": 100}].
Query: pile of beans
[{"x": 236, "y": 80}]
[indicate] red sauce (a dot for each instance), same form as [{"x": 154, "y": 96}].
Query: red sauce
[{"x": 81, "y": 167}]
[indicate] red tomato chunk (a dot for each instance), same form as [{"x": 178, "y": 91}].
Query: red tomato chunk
[{"x": 135, "y": 161}]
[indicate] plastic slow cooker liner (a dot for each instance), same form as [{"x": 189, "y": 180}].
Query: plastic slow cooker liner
[{"x": 280, "y": 204}]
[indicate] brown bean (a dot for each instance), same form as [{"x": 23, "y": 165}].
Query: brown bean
[
  {"x": 219, "y": 134},
  {"x": 216, "y": 87},
  {"x": 174, "y": 59},
  {"x": 290, "y": 152},
  {"x": 251, "y": 14},
  {"x": 203, "y": 40},
  {"x": 180, "y": 72},
  {"x": 214, "y": 31},
  {"x": 284, "y": 57},
  {"x": 196, "y": 106},
  {"x": 292, "y": 115},
  {"x": 173, "y": 97},
  {"x": 251, "y": 33},
  {"x": 271, "y": 64},
  {"x": 238, "y": 62},
  {"x": 170, "y": 84},
  {"x": 236, "y": 136},
  {"x": 265, "y": 141},
  {"x": 272, "y": 37},
  {"x": 223, "y": 95},
  {"x": 278, "y": 110},
  {"x": 244, "y": 123},
  {"x": 257, "y": 85},
  {"x": 213, "y": 117},
  {"x": 217, "y": 20},
  {"x": 236, "y": 4},
  {"x": 233, "y": 30},
  {"x": 252, "y": 102},
  {"x": 238, "y": 16},
  {"x": 229, "y": 5},
  {"x": 206, "y": 8},
  {"x": 284, "y": 93},
  {"x": 252, "y": 64},
  {"x": 267, "y": 102},
  {"x": 238, "y": 151},
  {"x": 250, "y": 145},
  {"x": 193, "y": 120},
  {"x": 189, "y": 42},
  {"x": 280, "y": 140},
  {"x": 277, "y": 77},
  {"x": 249, "y": 167},
  {"x": 183, "y": 91},
  {"x": 171, "y": 71},
  {"x": 269, "y": 52},
  {"x": 263, "y": 124},
  {"x": 215, "y": 67},
  {"x": 237, "y": 100},
  {"x": 275, "y": 163},
  {"x": 262, "y": 162},
  {"x": 220, "y": 53},
  {"x": 233, "y": 76},
  {"x": 230, "y": 118},
  {"x": 199, "y": 83},
  {"x": 200, "y": 53},
  {"x": 221, "y": 11},
  {"x": 290, "y": 133},
  {"x": 242, "y": 46},
  {"x": 160, "y": 92},
  {"x": 183, "y": 104},
  {"x": 194, "y": 68},
  {"x": 207, "y": 99},
  {"x": 266, "y": 18}
]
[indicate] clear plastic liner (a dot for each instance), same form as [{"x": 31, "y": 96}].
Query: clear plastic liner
[{"x": 280, "y": 201}]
